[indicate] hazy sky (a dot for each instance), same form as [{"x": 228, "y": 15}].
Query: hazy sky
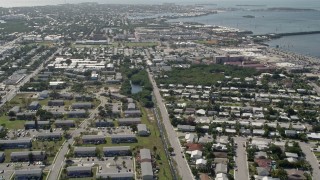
[{"x": 288, "y": 3}]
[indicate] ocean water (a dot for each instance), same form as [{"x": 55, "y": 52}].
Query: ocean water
[
  {"x": 264, "y": 22},
  {"x": 306, "y": 44}
]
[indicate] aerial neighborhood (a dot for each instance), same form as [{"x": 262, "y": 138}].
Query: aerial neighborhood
[{"x": 97, "y": 91}]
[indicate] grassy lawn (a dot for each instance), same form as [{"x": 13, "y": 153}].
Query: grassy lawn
[
  {"x": 14, "y": 26},
  {"x": 16, "y": 124}
]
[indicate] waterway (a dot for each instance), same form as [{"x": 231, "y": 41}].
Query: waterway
[
  {"x": 135, "y": 88},
  {"x": 271, "y": 22}
]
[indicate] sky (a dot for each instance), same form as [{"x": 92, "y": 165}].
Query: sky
[{"x": 287, "y": 3}]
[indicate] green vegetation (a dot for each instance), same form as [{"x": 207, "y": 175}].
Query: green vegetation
[
  {"x": 15, "y": 124},
  {"x": 140, "y": 44},
  {"x": 204, "y": 74},
  {"x": 138, "y": 77},
  {"x": 14, "y": 26}
]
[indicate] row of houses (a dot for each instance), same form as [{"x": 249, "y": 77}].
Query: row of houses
[
  {"x": 47, "y": 124},
  {"x": 86, "y": 171},
  {"x": 29, "y": 115},
  {"x": 115, "y": 138},
  {"x": 107, "y": 151},
  {"x": 146, "y": 164}
]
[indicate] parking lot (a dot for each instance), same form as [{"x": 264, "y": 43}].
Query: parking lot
[
  {"x": 22, "y": 133},
  {"x": 115, "y": 130},
  {"x": 107, "y": 165}
]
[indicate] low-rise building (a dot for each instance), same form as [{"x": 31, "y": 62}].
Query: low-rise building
[
  {"x": 79, "y": 171},
  {"x": 186, "y": 128},
  {"x": 104, "y": 123},
  {"x": 132, "y": 113},
  {"x": 77, "y": 114},
  {"x": 147, "y": 171},
  {"x": 85, "y": 151},
  {"x": 142, "y": 130},
  {"x": 41, "y": 125},
  {"x": 52, "y": 136},
  {"x": 56, "y": 103},
  {"x": 16, "y": 144},
  {"x": 26, "y": 156},
  {"x": 83, "y": 105},
  {"x": 28, "y": 174},
  {"x": 116, "y": 151},
  {"x": 35, "y": 105},
  {"x": 123, "y": 138},
  {"x": 129, "y": 121},
  {"x": 93, "y": 139},
  {"x": 116, "y": 176},
  {"x": 26, "y": 115},
  {"x": 64, "y": 123}
]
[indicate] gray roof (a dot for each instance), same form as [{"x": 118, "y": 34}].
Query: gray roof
[
  {"x": 64, "y": 121},
  {"x": 146, "y": 169},
  {"x": 145, "y": 154},
  {"x": 84, "y": 149},
  {"x": 131, "y": 106},
  {"x": 186, "y": 127},
  {"x": 129, "y": 120},
  {"x": 142, "y": 127},
  {"x": 26, "y": 153},
  {"x": 116, "y": 148},
  {"x": 79, "y": 168},
  {"x": 26, "y": 114},
  {"x": 39, "y": 123},
  {"x": 15, "y": 141},
  {"x": 51, "y": 134},
  {"x": 92, "y": 137},
  {"x": 82, "y": 104},
  {"x": 37, "y": 172},
  {"x": 116, "y": 175},
  {"x": 34, "y": 103},
  {"x": 123, "y": 136},
  {"x": 132, "y": 112},
  {"x": 221, "y": 168},
  {"x": 77, "y": 112}
]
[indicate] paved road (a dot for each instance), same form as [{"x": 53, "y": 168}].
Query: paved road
[
  {"x": 182, "y": 165},
  {"x": 311, "y": 158},
  {"x": 241, "y": 160},
  {"x": 60, "y": 157}
]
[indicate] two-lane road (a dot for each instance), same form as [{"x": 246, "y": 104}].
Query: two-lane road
[
  {"x": 241, "y": 160},
  {"x": 182, "y": 165},
  {"x": 311, "y": 158}
]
